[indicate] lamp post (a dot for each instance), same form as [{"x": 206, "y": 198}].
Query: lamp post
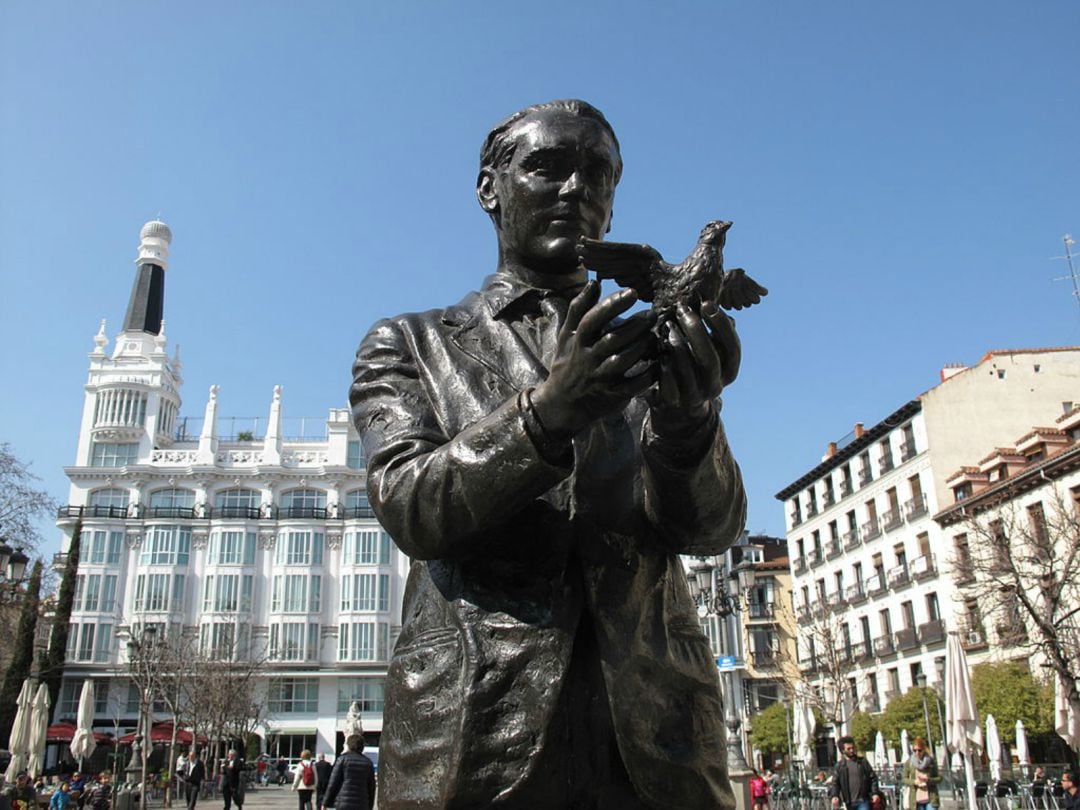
[
  {"x": 12, "y": 570},
  {"x": 920, "y": 681}
]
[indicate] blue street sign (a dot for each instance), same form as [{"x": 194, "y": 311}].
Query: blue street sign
[{"x": 726, "y": 663}]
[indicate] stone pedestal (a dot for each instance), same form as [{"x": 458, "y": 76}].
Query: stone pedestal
[{"x": 740, "y": 786}]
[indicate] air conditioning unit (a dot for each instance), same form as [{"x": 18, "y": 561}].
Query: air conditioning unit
[{"x": 974, "y": 637}]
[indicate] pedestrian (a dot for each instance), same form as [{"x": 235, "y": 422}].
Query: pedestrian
[
  {"x": 23, "y": 796},
  {"x": 194, "y": 776},
  {"x": 854, "y": 781},
  {"x": 306, "y": 779},
  {"x": 322, "y": 773},
  {"x": 282, "y": 766},
  {"x": 920, "y": 778},
  {"x": 61, "y": 798},
  {"x": 759, "y": 792},
  {"x": 232, "y": 781},
  {"x": 260, "y": 770},
  {"x": 352, "y": 781},
  {"x": 1070, "y": 791}
]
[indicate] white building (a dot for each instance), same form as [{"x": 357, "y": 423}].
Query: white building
[
  {"x": 259, "y": 537},
  {"x": 872, "y": 571}
]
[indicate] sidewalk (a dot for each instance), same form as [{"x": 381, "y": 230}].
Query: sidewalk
[{"x": 271, "y": 797}]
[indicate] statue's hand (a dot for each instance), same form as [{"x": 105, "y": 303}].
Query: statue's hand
[
  {"x": 700, "y": 355},
  {"x": 588, "y": 376}
]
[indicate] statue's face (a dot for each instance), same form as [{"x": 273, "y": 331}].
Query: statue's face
[{"x": 558, "y": 186}]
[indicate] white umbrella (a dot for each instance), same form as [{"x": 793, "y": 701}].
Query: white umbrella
[
  {"x": 82, "y": 743},
  {"x": 961, "y": 717},
  {"x": 905, "y": 747},
  {"x": 881, "y": 759},
  {"x": 1066, "y": 714},
  {"x": 39, "y": 727},
  {"x": 1023, "y": 756},
  {"x": 803, "y": 731},
  {"x": 993, "y": 747},
  {"x": 18, "y": 743}
]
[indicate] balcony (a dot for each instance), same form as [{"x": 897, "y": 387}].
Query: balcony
[
  {"x": 761, "y": 610},
  {"x": 890, "y": 694},
  {"x": 855, "y": 593},
  {"x": 812, "y": 509},
  {"x": 796, "y": 519},
  {"x": 832, "y": 549},
  {"x": 923, "y": 567},
  {"x": 883, "y": 645},
  {"x": 864, "y": 650},
  {"x": 802, "y": 612},
  {"x": 871, "y": 703},
  {"x": 846, "y": 488},
  {"x": 885, "y": 460},
  {"x": 973, "y": 637},
  {"x": 907, "y": 450},
  {"x": 799, "y": 566},
  {"x": 875, "y": 585},
  {"x": 1011, "y": 635},
  {"x": 963, "y": 572},
  {"x": 828, "y": 499},
  {"x": 865, "y": 477},
  {"x": 932, "y": 632},
  {"x": 358, "y": 512},
  {"x": 245, "y": 512},
  {"x": 907, "y": 639},
  {"x": 899, "y": 576},
  {"x": 91, "y": 511},
  {"x": 916, "y": 507},
  {"x": 892, "y": 520},
  {"x": 816, "y": 557},
  {"x": 851, "y": 539},
  {"x": 316, "y": 512},
  {"x": 870, "y": 530},
  {"x": 835, "y": 600},
  {"x": 176, "y": 512},
  {"x": 765, "y": 659}
]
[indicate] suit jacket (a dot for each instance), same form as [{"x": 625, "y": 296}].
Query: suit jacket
[
  {"x": 196, "y": 773},
  {"x": 509, "y": 550}
]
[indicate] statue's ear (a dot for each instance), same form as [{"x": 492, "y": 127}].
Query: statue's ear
[{"x": 485, "y": 190}]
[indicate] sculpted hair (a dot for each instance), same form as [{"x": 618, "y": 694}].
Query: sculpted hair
[{"x": 498, "y": 148}]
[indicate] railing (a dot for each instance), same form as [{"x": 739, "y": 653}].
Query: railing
[
  {"x": 876, "y": 585},
  {"x": 184, "y": 512},
  {"x": 870, "y": 530},
  {"x": 865, "y": 477},
  {"x": 883, "y": 645},
  {"x": 899, "y": 576},
  {"x": 932, "y": 632},
  {"x": 855, "y": 593},
  {"x": 886, "y": 462},
  {"x": 92, "y": 511},
  {"x": 317, "y": 512},
  {"x": 760, "y": 610},
  {"x": 891, "y": 519},
  {"x": 863, "y": 650},
  {"x": 796, "y": 519},
  {"x": 871, "y": 703},
  {"x": 248, "y": 512},
  {"x": 1011, "y": 635},
  {"x": 963, "y": 572},
  {"x": 812, "y": 509},
  {"x": 764, "y": 659},
  {"x": 907, "y": 638},
  {"x": 359, "y": 512},
  {"x": 799, "y": 565},
  {"x": 828, "y": 499},
  {"x": 916, "y": 507},
  {"x": 832, "y": 550},
  {"x": 923, "y": 567},
  {"x": 815, "y": 557},
  {"x": 890, "y": 694},
  {"x": 846, "y": 488},
  {"x": 907, "y": 450},
  {"x": 851, "y": 539},
  {"x": 835, "y": 600},
  {"x": 802, "y": 612}
]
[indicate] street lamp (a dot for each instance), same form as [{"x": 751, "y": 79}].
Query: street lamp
[
  {"x": 920, "y": 681},
  {"x": 12, "y": 571}
]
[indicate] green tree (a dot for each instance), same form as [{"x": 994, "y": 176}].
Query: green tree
[
  {"x": 51, "y": 665},
  {"x": 770, "y": 729},
  {"x": 906, "y": 712},
  {"x": 1009, "y": 692},
  {"x": 19, "y": 668},
  {"x": 864, "y": 728}
]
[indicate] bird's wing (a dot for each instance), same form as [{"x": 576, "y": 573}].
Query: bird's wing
[
  {"x": 739, "y": 290},
  {"x": 627, "y": 264}
]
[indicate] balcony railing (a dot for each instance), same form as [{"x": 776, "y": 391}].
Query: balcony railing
[
  {"x": 799, "y": 565},
  {"x": 865, "y": 477},
  {"x": 828, "y": 499},
  {"x": 764, "y": 659},
  {"x": 846, "y": 488},
  {"x": 916, "y": 507},
  {"x": 832, "y": 549},
  {"x": 907, "y": 638},
  {"x": 886, "y": 462},
  {"x": 871, "y": 703},
  {"x": 870, "y": 530},
  {"x": 802, "y": 612},
  {"x": 1011, "y": 635},
  {"x": 889, "y": 695},
  {"x": 851, "y": 539},
  {"x": 899, "y": 576},
  {"x": 317, "y": 512},
  {"x": 245, "y": 512},
  {"x": 963, "y": 573},
  {"x": 796, "y": 519},
  {"x": 864, "y": 650},
  {"x": 760, "y": 610},
  {"x": 181, "y": 512},
  {"x": 891, "y": 519},
  {"x": 932, "y": 632},
  {"x": 855, "y": 593},
  {"x": 876, "y": 585},
  {"x": 835, "y": 600},
  {"x": 812, "y": 509},
  {"x": 923, "y": 567},
  {"x": 883, "y": 645},
  {"x": 358, "y": 512},
  {"x": 907, "y": 450},
  {"x": 815, "y": 557},
  {"x": 92, "y": 511}
]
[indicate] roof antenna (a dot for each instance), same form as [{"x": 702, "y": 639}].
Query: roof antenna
[{"x": 1068, "y": 241}]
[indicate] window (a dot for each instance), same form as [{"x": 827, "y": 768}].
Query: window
[
  {"x": 172, "y": 499},
  {"x": 354, "y": 455},
  {"x": 885, "y": 622},
  {"x": 166, "y": 545},
  {"x": 304, "y": 503},
  {"x": 294, "y": 641},
  {"x": 71, "y": 691},
  {"x": 366, "y": 547},
  {"x": 116, "y": 498},
  {"x": 857, "y": 574},
  {"x": 365, "y": 592},
  {"x": 85, "y": 650},
  {"x": 894, "y": 680},
  {"x": 847, "y": 486},
  {"x": 296, "y": 593},
  {"x": 368, "y": 691},
  {"x": 237, "y": 498},
  {"x": 300, "y": 548},
  {"x": 886, "y": 457},
  {"x": 962, "y": 559},
  {"x": 108, "y": 593},
  {"x": 907, "y": 445},
  {"x": 292, "y": 695},
  {"x": 221, "y": 593},
  {"x": 933, "y": 609},
  {"x": 1037, "y": 523},
  {"x": 152, "y": 592},
  {"x": 92, "y": 592},
  {"x": 103, "y": 647},
  {"x": 105, "y": 547},
  {"x": 866, "y": 475},
  {"x": 113, "y": 454},
  {"x": 232, "y": 548},
  {"x": 907, "y": 610},
  {"x": 363, "y": 641},
  {"x": 218, "y": 639},
  {"x": 900, "y": 554}
]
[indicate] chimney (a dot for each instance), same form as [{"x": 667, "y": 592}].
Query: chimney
[
  {"x": 860, "y": 429},
  {"x": 951, "y": 370}
]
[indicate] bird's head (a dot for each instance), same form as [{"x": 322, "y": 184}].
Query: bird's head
[{"x": 714, "y": 232}]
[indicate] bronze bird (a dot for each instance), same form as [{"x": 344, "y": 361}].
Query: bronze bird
[{"x": 700, "y": 277}]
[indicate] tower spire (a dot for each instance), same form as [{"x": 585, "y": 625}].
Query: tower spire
[{"x": 147, "y": 304}]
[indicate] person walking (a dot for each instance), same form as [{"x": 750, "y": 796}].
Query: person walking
[
  {"x": 759, "y": 792},
  {"x": 854, "y": 781},
  {"x": 322, "y": 773},
  {"x": 920, "y": 778},
  {"x": 352, "y": 781},
  {"x": 306, "y": 780},
  {"x": 232, "y": 782},
  {"x": 193, "y": 778}
]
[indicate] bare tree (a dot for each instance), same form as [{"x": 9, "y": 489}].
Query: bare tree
[
  {"x": 826, "y": 656},
  {"x": 22, "y": 502}
]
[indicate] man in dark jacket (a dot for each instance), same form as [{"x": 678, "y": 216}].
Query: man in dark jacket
[
  {"x": 352, "y": 780},
  {"x": 854, "y": 782},
  {"x": 322, "y": 779},
  {"x": 196, "y": 773},
  {"x": 232, "y": 780}
]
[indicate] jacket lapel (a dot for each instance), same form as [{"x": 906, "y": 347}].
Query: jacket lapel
[{"x": 492, "y": 343}]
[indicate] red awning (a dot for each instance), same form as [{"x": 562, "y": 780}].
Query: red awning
[
  {"x": 65, "y": 733},
  {"x": 161, "y": 734}
]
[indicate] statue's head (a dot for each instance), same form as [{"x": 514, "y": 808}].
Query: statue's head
[{"x": 547, "y": 177}]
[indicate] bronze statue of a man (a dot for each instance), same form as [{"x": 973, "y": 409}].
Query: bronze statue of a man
[{"x": 543, "y": 464}]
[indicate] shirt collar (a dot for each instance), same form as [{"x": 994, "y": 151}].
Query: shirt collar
[{"x": 506, "y": 293}]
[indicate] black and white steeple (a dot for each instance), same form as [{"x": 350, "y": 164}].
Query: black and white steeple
[{"x": 146, "y": 307}]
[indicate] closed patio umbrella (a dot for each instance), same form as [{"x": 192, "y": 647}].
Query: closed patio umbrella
[
  {"x": 803, "y": 731},
  {"x": 1023, "y": 756},
  {"x": 82, "y": 744},
  {"x": 881, "y": 758},
  {"x": 39, "y": 724},
  {"x": 1066, "y": 714},
  {"x": 905, "y": 746},
  {"x": 993, "y": 747},
  {"x": 961, "y": 717},
  {"x": 19, "y": 741}
]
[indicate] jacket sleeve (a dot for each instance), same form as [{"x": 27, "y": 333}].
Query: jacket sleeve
[
  {"x": 371, "y": 788},
  {"x": 435, "y": 493},
  {"x": 335, "y": 784},
  {"x": 871, "y": 776}
]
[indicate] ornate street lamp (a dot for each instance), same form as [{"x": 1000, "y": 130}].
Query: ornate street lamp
[{"x": 920, "y": 681}]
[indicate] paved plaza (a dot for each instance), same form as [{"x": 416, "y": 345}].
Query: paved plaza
[{"x": 271, "y": 797}]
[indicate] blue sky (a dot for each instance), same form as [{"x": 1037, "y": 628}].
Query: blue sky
[{"x": 899, "y": 174}]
